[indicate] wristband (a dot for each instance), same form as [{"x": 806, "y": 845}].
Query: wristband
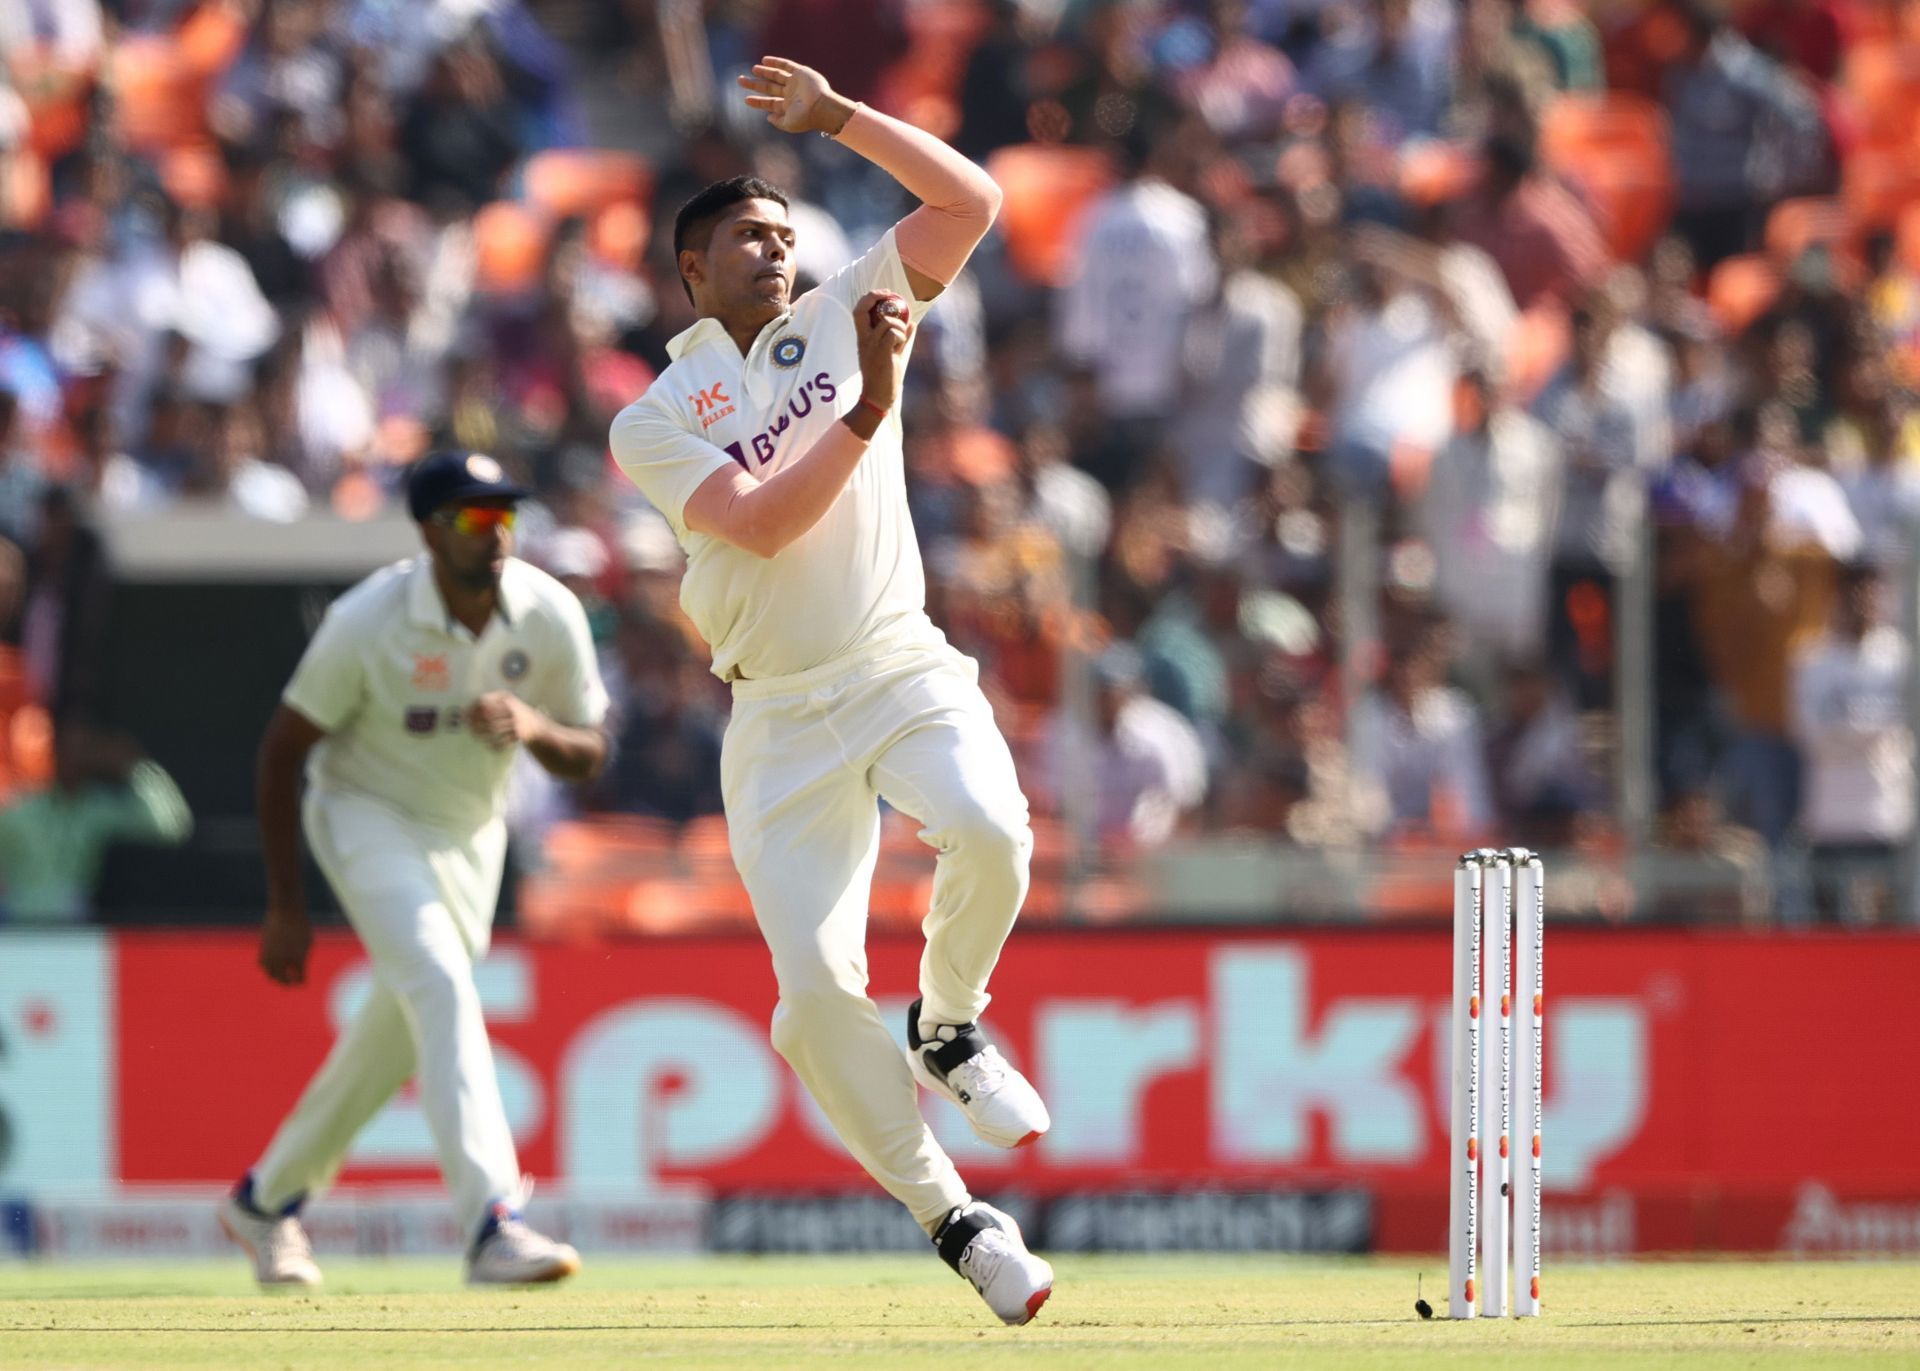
[{"x": 883, "y": 413}]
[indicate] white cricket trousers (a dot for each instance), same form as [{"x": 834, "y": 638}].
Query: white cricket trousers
[
  {"x": 805, "y": 762},
  {"x": 422, "y": 903}
]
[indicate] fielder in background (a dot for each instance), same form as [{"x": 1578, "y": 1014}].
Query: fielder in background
[
  {"x": 772, "y": 447},
  {"x": 406, "y": 711}
]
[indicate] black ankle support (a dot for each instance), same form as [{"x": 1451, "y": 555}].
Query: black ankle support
[
  {"x": 968, "y": 1041},
  {"x": 950, "y": 1239}
]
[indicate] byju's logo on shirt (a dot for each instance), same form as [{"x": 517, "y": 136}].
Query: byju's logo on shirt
[
  {"x": 431, "y": 672},
  {"x": 711, "y": 405},
  {"x": 799, "y": 406}
]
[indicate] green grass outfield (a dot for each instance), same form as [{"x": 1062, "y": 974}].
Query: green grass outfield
[{"x": 1159, "y": 1312}]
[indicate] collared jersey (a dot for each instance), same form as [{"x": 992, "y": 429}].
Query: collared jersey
[
  {"x": 854, "y": 578},
  {"x": 391, "y": 673}
]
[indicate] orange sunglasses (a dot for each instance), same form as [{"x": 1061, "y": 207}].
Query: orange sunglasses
[{"x": 474, "y": 520}]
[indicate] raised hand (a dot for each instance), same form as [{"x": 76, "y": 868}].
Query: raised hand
[{"x": 795, "y": 99}]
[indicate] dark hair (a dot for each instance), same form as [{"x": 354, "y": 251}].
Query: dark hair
[
  {"x": 1851, "y": 575},
  {"x": 1509, "y": 157},
  {"x": 693, "y": 225}
]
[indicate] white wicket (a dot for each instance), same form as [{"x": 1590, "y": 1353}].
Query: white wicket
[
  {"x": 1530, "y": 907},
  {"x": 1498, "y": 918},
  {"x": 1464, "y": 1151}
]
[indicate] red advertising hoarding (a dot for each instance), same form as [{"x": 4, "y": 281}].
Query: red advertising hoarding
[{"x": 1706, "y": 1089}]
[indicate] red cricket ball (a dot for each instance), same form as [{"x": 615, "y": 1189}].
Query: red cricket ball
[{"x": 887, "y": 304}]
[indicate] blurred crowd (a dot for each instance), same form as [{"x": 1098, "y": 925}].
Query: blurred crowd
[{"x": 1289, "y": 297}]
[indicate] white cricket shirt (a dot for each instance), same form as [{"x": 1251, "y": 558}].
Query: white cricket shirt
[
  {"x": 854, "y": 578},
  {"x": 391, "y": 673}
]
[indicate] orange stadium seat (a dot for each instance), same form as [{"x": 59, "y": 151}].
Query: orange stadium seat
[
  {"x": 1433, "y": 172},
  {"x": 1883, "y": 82},
  {"x": 1536, "y": 346},
  {"x": 565, "y": 182},
  {"x": 1615, "y": 147},
  {"x": 194, "y": 176},
  {"x": 212, "y": 36},
  {"x": 56, "y": 96},
  {"x": 26, "y": 190},
  {"x": 1878, "y": 182},
  {"x": 510, "y": 247},
  {"x": 158, "y": 97},
  {"x": 619, "y": 234},
  {"x": 1811, "y": 221},
  {"x": 1048, "y": 187},
  {"x": 1741, "y": 289},
  {"x": 923, "y": 87}
]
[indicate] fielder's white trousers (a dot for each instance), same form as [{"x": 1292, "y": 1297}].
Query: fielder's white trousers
[
  {"x": 805, "y": 762},
  {"x": 422, "y": 903}
]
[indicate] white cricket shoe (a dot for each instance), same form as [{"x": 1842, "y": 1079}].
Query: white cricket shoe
[
  {"x": 508, "y": 1252},
  {"x": 959, "y": 1063},
  {"x": 985, "y": 1246},
  {"x": 275, "y": 1243}
]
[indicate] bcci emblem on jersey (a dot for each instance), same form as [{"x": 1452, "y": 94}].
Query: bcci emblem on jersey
[
  {"x": 514, "y": 665},
  {"x": 788, "y": 351}
]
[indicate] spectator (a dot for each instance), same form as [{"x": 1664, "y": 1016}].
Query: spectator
[
  {"x": 1143, "y": 768},
  {"x": 111, "y": 480},
  {"x": 1850, "y": 719},
  {"x": 1543, "y": 239},
  {"x": 52, "y": 841},
  {"x": 1063, "y": 498},
  {"x": 174, "y": 309},
  {"x": 1590, "y": 406},
  {"x": 289, "y": 67},
  {"x": 1490, "y": 515},
  {"x": 1242, "y": 87},
  {"x": 1745, "y": 136},
  {"x": 851, "y": 42},
  {"x": 1417, "y": 744},
  {"x": 1387, "y": 374},
  {"x": 995, "y": 91},
  {"x": 1760, "y": 593},
  {"x": 63, "y": 624},
  {"x": 458, "y": 137},
  {"x": 1562, "y": 31},
  {"x": 1242, "y": 361},
  {"x": 666, "y": 758},
  {"x": 232, "y": 470},
  {"x": 1541, "y": 780},
  {"x": 1700, "y": 868},
  {"x": 1144, "y": 265},
  {"x": 1393, "y": 56},
  {"x": 1884, "y": 493},
  {"x": 579, "y": 560},
  {"x": 21, "y": 483}
]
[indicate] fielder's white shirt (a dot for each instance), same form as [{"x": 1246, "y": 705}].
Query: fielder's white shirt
[
  {"x": 391, "y": 673},
  {"x": 854, "y": 578}
]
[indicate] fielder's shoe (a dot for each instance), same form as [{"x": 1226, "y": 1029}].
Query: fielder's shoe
[
  {"x": 276, "y": 1243},
  {"x": 507, "y": 1252},
  {"x": 957, "y": 1061},
  {"x": 985, "y": 1246}
]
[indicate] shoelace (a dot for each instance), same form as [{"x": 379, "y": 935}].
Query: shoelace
[
  {"x": 981, "y": 1074},
  {"x": 984, "y": 1257}
]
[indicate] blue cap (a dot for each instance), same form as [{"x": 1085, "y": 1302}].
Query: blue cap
[{"x": 444, "y": 478}]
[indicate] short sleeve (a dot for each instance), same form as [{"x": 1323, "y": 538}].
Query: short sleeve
[
  {"x": 665, "y": 461},
  {"x": 878, "y": 268},
  {"x": 330, "y": 682},
  {"x": 576, "y": 698}
]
